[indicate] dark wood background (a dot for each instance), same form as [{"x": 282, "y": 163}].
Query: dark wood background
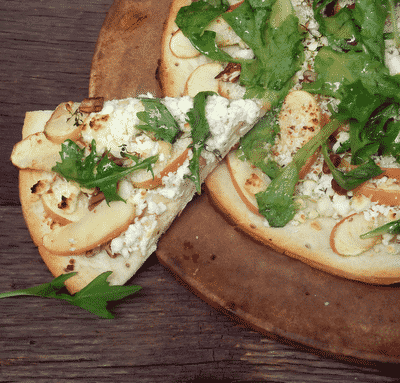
[{"x": 164, "y": 333}]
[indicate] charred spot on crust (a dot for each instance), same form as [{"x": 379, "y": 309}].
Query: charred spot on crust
[
  {"x": 38, "y": 187},
  {"x": 69, "y": 268}
]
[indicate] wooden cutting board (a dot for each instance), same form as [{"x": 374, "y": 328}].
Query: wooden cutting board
[{"x": 270, "y": 292}]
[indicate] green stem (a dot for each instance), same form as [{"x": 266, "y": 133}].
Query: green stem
[{"x": 304, "y": 153}]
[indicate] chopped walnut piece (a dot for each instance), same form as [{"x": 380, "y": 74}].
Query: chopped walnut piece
[
  {"x": 95, "y": 199},
  {"x": 93, "y": 104},
  {"x": 230, "y": 74}
]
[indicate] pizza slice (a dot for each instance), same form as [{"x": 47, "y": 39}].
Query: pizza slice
[
  {"x": 101, "y": 181},
  {"x": 318, "y": 178}
]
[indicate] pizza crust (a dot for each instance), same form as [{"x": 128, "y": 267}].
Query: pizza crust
[{"x": 307, "y": 242}]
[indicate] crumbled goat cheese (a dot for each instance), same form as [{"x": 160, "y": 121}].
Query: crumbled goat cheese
[
  {"x": 173, "y": 182},
  {"x": 340, "y": 138},
  {"x": 113, "y": 126},
  {"x": 222, "y": 116}
]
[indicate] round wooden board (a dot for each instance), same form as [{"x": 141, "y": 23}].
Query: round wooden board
[{"x": 268, "y": 291}]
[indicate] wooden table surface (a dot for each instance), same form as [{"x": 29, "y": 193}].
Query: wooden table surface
[{"x": 164, "y": 333}]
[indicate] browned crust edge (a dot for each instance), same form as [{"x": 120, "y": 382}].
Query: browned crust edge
[{"x": 366, "y": 268}]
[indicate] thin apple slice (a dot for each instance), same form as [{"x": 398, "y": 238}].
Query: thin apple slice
[
  {"x": 382, "y": 194},
  {"x": 203, "y": 79},
  {"x": 345, "y": 235},
  {"x": 61, "y": 212},
  {"x": 225, "y": 35},
  {"x": 97, "y": 227},
  {"x": 144, "y": 179},
  {"x": 64, "y": 123},
  {"x": 36, "y": 152},
  {"x": 247, "y": 180},
  {"x": 181, "y": 46}
]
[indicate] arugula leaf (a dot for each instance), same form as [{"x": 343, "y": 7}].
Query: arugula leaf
[
  {"x": 270, "y": 45},
  {"x": 94, "y": 171},
  {"x": 194, "y": 18},
  {"x": 256, "y": 143},
  {"x": 93, "y": 298},
  {"x": 340, "y": 30},
  {"x": 200, "y": 132},
  {"x": 389, "y": 228},
  {"x": 370, "y": 17},
  {"x": 353, "y": 178},
  {"x": 276, "y": 202},
  {"x": 158, "y": 120},
  {"x": 277, "y": 41}
]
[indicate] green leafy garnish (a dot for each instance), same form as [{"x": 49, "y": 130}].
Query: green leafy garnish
[
  {"x": 276, "y": 203},
  {"x": 389, "y": 228},
  {"x": 78, "y": 117},
  {"x": 277, "y": 41},
  {"x": 158, "y": 120},
  {"x": 93, "y": 298},
  {"x": 353, "y": 178},
  {"x": 194, "y": 18},
  {"x": 256, "y": 144},
  {"x": 95, "y": 171},
  {"x": 200, "y": 132}
]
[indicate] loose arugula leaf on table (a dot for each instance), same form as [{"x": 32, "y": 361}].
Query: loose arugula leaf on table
[
  {"x": 355, "y": 177},
  {"x": 159, "y": 120},
  {"x": 200, "y": 131},
  {"x": 95, "y": 171},
  {"x": 276, "y": 202},
  {"x": 93, "y": 298}
]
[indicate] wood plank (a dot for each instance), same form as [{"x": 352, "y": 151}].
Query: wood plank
[{"x": 164, "y": 333}]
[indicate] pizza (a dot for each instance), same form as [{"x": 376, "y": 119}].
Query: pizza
[
  {"x": 101, "y": 181},
  {"x": 318, "y": 178}
]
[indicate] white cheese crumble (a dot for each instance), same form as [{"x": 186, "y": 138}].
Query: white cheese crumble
[{"x": 113, "y": 126}]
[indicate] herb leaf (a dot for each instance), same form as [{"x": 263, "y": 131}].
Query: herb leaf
[
  {"x": 94, "y": 171},
  {"x": 388, "y": 228},
  {"x": 194, "y": 18},
  {"x": 158, "y": 120},
  {"x": 93, "y": 298},
  {"x": 276, "y": 202},
  {"x": 256, "y": 143},
  {"x": 281, "y": 43},
  {"x": 200, "y": 133},
  {"x": 353, "y": 178}
]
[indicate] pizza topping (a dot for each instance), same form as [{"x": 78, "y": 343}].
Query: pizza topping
[
  {"x": 90, "y": 105},
  {"x": 95, "y": 228},
  {"x": 231, "y": 73},
  {"x": 158, "y": 120},
  {"x": 96, "y": 171},
  {"x": 345, "y": 236},
  {"x": 278, "y": 41},
  {"x": 181, "y": 46},
  {"x": 204, "y": 78},
  {"x": 65, "y": 123},
  {"x": 43, "y": 153}
]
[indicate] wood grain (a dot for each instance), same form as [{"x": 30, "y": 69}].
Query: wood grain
[{"x": 162, "y": 334}]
